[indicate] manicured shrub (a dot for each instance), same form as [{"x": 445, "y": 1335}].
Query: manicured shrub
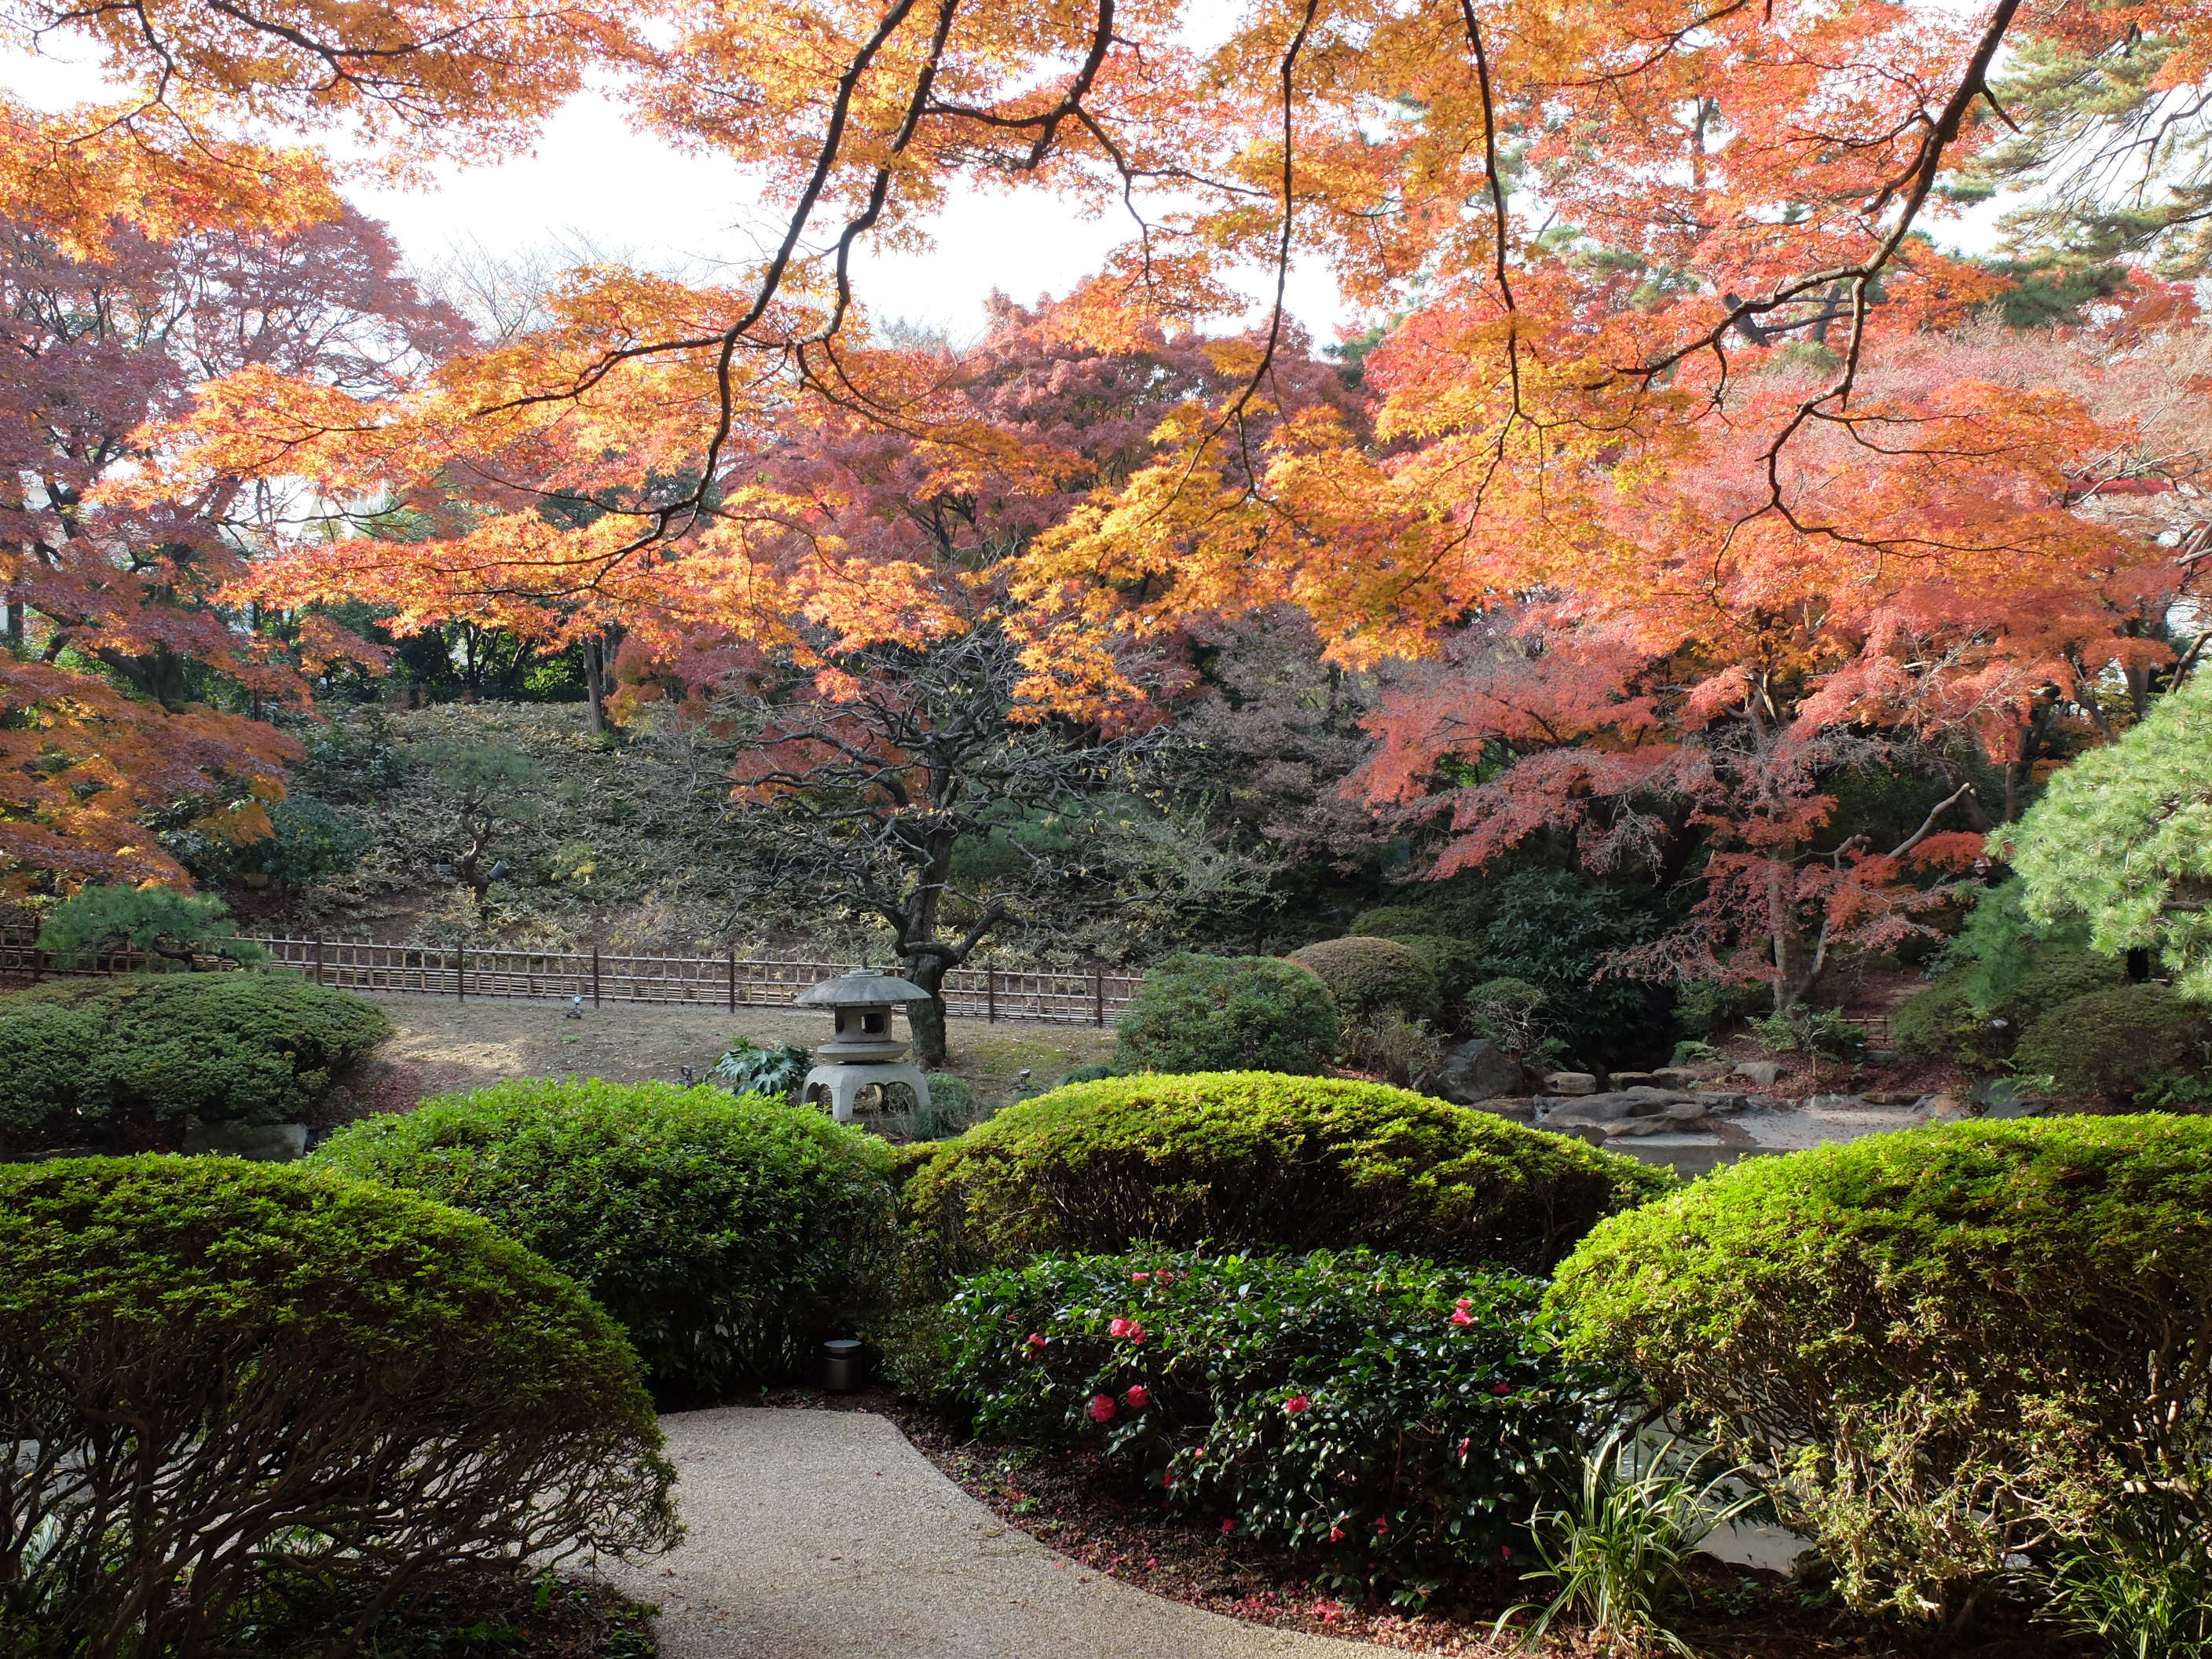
[
  {"x": 1952, "y": 1019},
  {"x": 1938, "y": 1021},
  {"x": 2115, "y": 1043},
  {"x": 724, "y": 1235},
  {"x": 1198, "y": 1013},
  {"x": 1398, "y": 1417},
  {"x": 167, "y": 927},
  {"x": 1455, "y": 965},
  {"x": 215, "y": 1372},
  {"x": 1398, "y": 921},
  {"x": 1366, "y": 975},
  {"x": 1943, "y": 1348},
  {"x": 1259, "y": 1161},
  {"x": 228, "y": 1048}
]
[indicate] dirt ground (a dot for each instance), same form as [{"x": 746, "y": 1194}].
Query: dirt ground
[{"x": 442, "y": 1046}]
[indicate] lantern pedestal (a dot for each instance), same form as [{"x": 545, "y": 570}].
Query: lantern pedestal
[{"x": 841, "y": 1085}]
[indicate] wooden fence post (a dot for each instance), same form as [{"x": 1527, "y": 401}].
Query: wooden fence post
[
  {"x": 319, "y": 962},
  {"x": 460, "y": 975},
  {"x": 1098, "y": 996},
  {"x": 733, "y": 979},
  {"x": 990, "y": 994},
  {"x": 595, "y": 976}
]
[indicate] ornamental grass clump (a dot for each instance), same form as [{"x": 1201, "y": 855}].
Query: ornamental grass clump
[
  {"x": 724, "y": 1235},
  {"x": 1258, "y": 1161},
  {"x": 223, "y": 1378},
  {"x": 1942, "y": 1351},
  {"x": 1397, "y": 1418}
]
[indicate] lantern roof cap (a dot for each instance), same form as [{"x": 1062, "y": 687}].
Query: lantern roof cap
[{"x": 863, "y": 988}]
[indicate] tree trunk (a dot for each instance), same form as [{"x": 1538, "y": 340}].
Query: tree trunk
[{"x": 927, "y": 1019}]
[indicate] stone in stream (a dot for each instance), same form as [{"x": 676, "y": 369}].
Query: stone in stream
[{"x": 1570, "y": 1083}]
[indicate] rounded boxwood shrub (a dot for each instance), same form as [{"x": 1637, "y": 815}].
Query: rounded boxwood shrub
[
  {"x": 1946, "y": 1020},
  {"x": 1367, "y": 975},
  {"x": 724, "y": 1235},
  {"x": 1943, "y": 1348},
  {"x": 2115, "y": 1043},
  {"x": 223, "y": 1048},
  {"x": 1259, "y": 1160},
  {"x": 1398, "y": 1417},
  {"x": 1398, "y": 921},
  {"x": 1199, "y": 1013},
  {"x": 218, "y": 1371}
]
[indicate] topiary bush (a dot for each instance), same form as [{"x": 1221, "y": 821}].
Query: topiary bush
[
  {"x": 220, "y": 1374},
  {"x": 2115, "y": 1043},
  {"x": 231, "y": 1048},
  {"x": 724, "y": 1235},
  {"x": 1398, "y": 921},
  {"x": 164, "y": 927},
  {"x": 1367, "y": 975},
  {"x": 1259, "y": 1161},
  {"x": 1397, "y": 1418},
  {"x": 1198, "y": 1014},
  {"x": 1951, "y": 1020},
  {"x": 1943, "y": 1348}
]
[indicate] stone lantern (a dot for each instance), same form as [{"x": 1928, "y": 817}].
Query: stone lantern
[{"x": 864, "y": 1054}]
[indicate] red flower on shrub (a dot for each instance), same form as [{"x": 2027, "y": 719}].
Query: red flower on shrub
[
  {"x": 1336, "y": 1534},
  {"x": 1295, "y": 1403},
  {"x": 1460, "y": 1451},
  {"x": 1139, "y": 1397},
  {"x": 1138, "y": 1278},
  {"x": 1117, "y": 1327},
  {"x": 1228, "y": 1526},
  {"x": 1035, "y": 1343},
  {"x": 1135, "y": 1333},
  {"x": 1102, "y": 1408},
  {"x": 1461, "y": 1316},
  {"x": 1383, "y": 1526},
  {"x": 1501, "y": 1388}
]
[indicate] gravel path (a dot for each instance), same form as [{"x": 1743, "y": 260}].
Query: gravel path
[{"x": 825, "y": 1535}]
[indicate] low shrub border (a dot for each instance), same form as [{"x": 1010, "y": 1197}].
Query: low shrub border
[
  {"x": 220, "y": 1374},
  {"x": 1944, "y": 1349},
  {"x": 1259, "y": 1160},
  {"x": 724, "y": 1235},
  {"x": 1399, "y": 1418}
]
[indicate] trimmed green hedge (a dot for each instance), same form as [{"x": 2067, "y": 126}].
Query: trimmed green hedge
[
  {"x": 222, "y": 1378},
  {"x": 1945, "y": 1020},
  {"x": 1398, "y": 1419},
  {"x": 1199, "y": 1013},
  {"x": 724, "y": 1235},
  {"x": 2114, "y": 1044},
  {"x": 1367, "y": 975},
  {"x": 1258, "y": 1161},
  {"x": 1941, "y": 1347},
  {"x": 227, "y": 1047}
]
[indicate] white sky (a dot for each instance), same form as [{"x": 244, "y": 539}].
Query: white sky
[{"x": 591, "y": 175}]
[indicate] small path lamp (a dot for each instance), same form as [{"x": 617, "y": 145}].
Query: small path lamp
[{"x": 864, "y": 1054}]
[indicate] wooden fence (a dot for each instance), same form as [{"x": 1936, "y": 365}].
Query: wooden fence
[{"x": 727, "y": 981}]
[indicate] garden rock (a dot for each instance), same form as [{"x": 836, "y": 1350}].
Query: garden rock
[
  {"x": 1762, "y": 1073},
  {"x": 1570, "y": 1083},
  {"x": 1634, "y": 1079},
  {"x": 1519, "y": 1107},
  {"x": 1616, "y": 1104},
  {"x": 263, "y": 1143},
  {"x": 1635, "y": 1126},
  {"x": 1683, "y": 1077},
  {"x": 1475, "y": 1072},
  {"x": 1831, "y": 1103}
]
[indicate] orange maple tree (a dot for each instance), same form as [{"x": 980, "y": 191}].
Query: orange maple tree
[{"x": 1663, "y": 395}]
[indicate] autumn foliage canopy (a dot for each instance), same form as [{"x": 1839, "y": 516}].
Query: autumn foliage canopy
[{"x": 1687, "y": 463}]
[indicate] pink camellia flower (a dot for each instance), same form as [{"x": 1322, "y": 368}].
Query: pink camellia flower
[
  {"x": 1135, "y": 1333},
  {"x": 1295, "y": 1403},
  {"x": 1464, "y": 1302},
  {"x": 1138, "y": 1278},
  {"x": 1228, "y": 1526},
  {"x": 1035, "y": 1343},
  {"x": 1102, "y": 1408},
  {"x": 1336, "y": 1534},
  {"x": 1461, "y": 1316},
  {"x": 1383, "y": 1526},
  {"x": 1167, "y": 1479},
  {"x": 1505, "y": 1551},
  {"x": 1139, "y": 1397},
  {"x": 1165, "y": 1276},
  {"x": 1501, "y": 1388},
  {"x": 1461, "y": 1450},
  {"x": 1117, "y": 1327}
]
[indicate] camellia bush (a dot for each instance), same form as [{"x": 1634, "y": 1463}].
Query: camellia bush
[
  {"x": 724, "y": 1235},
  {"x": 223, "y": 1378},
  {"x": 227, "y": 1047},
  {"x": 1258, "y": 1161},
  {"x": 1198, "y": 1014},
  {"x": 1397, "y": 1417},
  {"x": 2115, "y": 1044},
  {"x": 1943, "y": 1349}
]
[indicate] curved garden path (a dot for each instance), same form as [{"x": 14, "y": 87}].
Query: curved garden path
[{"x": 818, "y": 1534}]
